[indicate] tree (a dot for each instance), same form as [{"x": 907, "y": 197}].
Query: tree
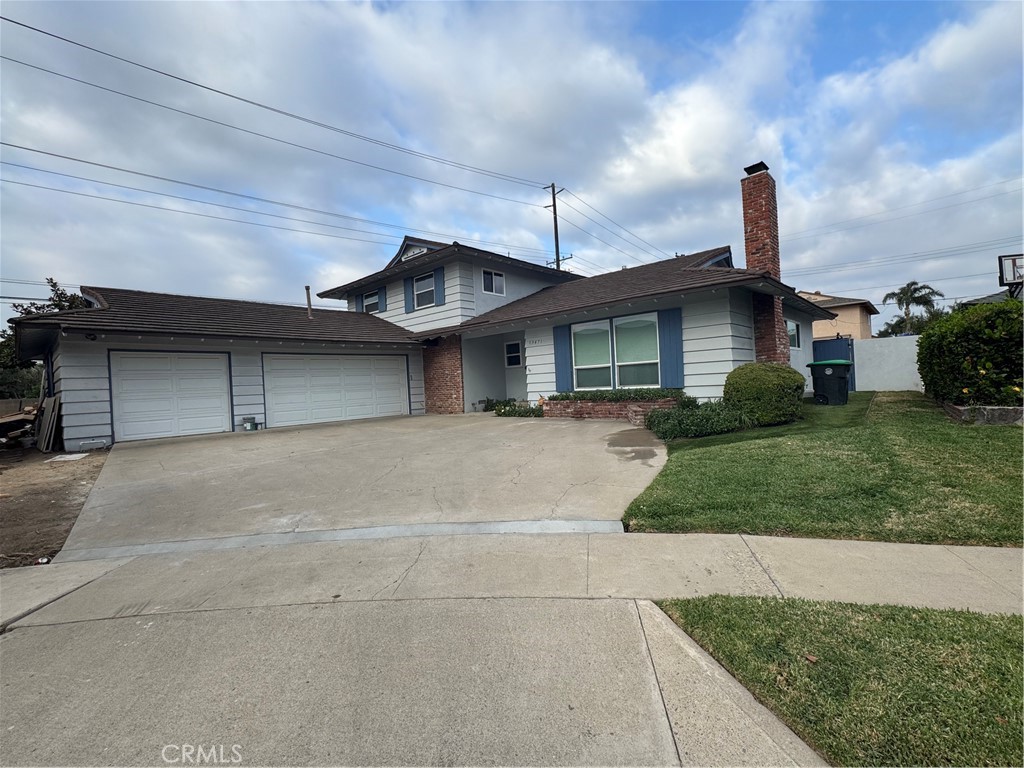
[
  {"x": 913, "y": 294},
  {"x": 18, "y": 379},
  {"x": 915, "y": 324}
]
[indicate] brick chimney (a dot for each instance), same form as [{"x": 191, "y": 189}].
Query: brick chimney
[{"x": 761, "y": 238}]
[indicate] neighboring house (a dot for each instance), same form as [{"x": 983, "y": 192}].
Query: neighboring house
[
  {"x": 439, "y": 329},
  {"x": 992, "y": 298},
  {"x": 852, "y": 316}
]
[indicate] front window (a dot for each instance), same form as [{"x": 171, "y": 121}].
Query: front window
[
  {"x": 494, "y": 282},
  {"x": 423, "y": 291},
  {"x": 592, "y": 355},
  {"x": 371, "y": 302},
  {"x": 636, "y": 351},
  {"x": 793, "y": 329},
  {"x": 632, "y": 342},
  {"x": 513, "y": 354}
]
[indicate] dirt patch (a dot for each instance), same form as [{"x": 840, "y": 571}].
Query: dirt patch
[{"x": 40, "y": 501}]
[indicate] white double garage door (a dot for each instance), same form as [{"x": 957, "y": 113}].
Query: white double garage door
[{"x": 171, "y": 394}]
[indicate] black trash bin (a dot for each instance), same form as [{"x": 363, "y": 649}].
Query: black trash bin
[{"x": 831, "y": 379}]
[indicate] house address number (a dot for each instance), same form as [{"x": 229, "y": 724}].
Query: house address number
[{"x": 534, "y": 342}]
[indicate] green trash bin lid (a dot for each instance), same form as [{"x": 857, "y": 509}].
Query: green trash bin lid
[{"x": 831, "y": 362}]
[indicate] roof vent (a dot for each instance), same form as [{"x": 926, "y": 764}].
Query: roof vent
[{"x": 756, "y": 168}]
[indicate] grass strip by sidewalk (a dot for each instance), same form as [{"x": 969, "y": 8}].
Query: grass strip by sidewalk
[
  {"x": 873, "y": 685},
  {"x": 891, "y": 467}
]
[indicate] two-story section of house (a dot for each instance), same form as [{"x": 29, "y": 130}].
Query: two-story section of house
[{"x": 429, "y": 285}]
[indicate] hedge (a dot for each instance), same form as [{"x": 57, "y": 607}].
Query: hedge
[
  {"x": 711, "y": 418},
  {"x": 623, "y": 395},
  {"x": 974, "y": 356}
]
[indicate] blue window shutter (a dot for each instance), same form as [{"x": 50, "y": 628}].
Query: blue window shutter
[
  {"x": 670, "y": 346},
  {"x": 410, "y": 304},
  {"x": 439, "y": 286},
  {"x": 382, "y": 299},
  {"x": 359, "y": 303},
  {"x": 563, "y": 358}
]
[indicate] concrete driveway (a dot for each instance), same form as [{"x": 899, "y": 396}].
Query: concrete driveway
[{"x": 290, "y": 485}]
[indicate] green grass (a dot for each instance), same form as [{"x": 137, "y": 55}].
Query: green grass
[
  {"x": 889, "y": 467},
  {"x": 873, "y": 685}
]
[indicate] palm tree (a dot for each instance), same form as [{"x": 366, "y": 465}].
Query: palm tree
[{"x": 913, "y": 294}]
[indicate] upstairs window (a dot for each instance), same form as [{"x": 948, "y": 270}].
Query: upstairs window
[
  {"x": 494, "y": 282},
  {"x": 793, "y": 329},
  {"x": 423, "y": 291},
  {"x": 371, "y": 301}
]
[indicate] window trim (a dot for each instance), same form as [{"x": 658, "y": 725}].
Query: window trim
[
  {"x": 611, "y": 355},
  {"x": 796, "y": 327},
  {"x": 518, "y": 353},
  {"x": 416, "y": 294},
  {"x": 483, "y": 282},
  {"x": 376, "y": 302},
  {"x": 657, "y": 346}
]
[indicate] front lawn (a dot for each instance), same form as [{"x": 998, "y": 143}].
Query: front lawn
[
  {"x": 873, "y": 685},
  {"x": 886, "y": 467}
]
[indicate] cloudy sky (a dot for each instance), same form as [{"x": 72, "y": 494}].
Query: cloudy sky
[{"x": 894, "y": 132}]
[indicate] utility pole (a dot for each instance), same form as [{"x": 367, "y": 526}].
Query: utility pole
[{"x": 554, "y": 215}]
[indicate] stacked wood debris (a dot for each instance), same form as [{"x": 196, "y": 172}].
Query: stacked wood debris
[
  {"x": 18, "y": 424},
  {"x": 41, "y": 422}
]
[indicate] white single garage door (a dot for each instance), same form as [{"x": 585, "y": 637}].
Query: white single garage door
[
  {"x": 308, "y": 389},
  {"x": 165, "y": 395}
]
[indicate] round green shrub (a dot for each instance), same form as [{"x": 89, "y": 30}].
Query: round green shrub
[
  {"x": 974, "y": 355},
  {"x": 766, "y": 393},
  {"x": 693, "y": 420}
]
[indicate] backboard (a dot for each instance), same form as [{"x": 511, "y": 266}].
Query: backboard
[{"x": 1011, "y": 273}]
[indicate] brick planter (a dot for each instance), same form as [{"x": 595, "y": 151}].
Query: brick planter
[
  {"x": 984, "y": 414},
  {"x": 631, "y": 411}
]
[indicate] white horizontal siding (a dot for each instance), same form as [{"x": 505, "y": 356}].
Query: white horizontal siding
[
  {"x": 459, "y": 303},
  {"x": 81, "y": 376},
  {"x": 718, "y": 336},
  {"x": 540, "y": 363}
]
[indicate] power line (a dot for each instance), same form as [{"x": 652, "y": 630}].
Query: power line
[
  {"x": 898, "y": 285},
  {"x": 590, "y": 234},
  {"x": 939, "y": 253},
  {"x": 898, "y": 218},
  {"x": 283, "y": 112},
  {"x": 615, "y": 223},
  {"x": 272, "y": 138},
  {"x": 263, "y": 213},
  {"x": 901, "y": 208},
  {"x": 193, "y": 213},
  {"x": 602, "y": 226}
]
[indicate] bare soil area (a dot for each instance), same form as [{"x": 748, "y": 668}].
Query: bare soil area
[{"x": 40, "y": 501}]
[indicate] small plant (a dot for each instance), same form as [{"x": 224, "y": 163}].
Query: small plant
[
  {"x": 698, "y": 420},
  {"x": 490, "y": 404},
  {"x": 766, "y": 393},
  {"x": 512, "y": 408},
  {"x": 974, "y": 356},
  {"x": 624, "y": 395}
]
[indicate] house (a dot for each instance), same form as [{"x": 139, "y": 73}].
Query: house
[
  {"x": 441, "y": 327},
  {"x": 852, "y": 316}
]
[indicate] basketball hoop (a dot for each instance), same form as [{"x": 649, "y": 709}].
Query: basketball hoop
[{"x": 1011, "y": 273}]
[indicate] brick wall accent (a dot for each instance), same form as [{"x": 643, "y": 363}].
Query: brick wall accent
[
  {"x": 633, "y": 412},
  {"x": 771, "y": 341},
  {"x": 442, "y": 376},
  {"x": 761, "y": 239}
]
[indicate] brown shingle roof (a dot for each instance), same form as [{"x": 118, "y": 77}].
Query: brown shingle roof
[
  {"x": 167, "y": 313},
  {"x": 662, "y": 278},
  {"x": 420, "y": 265},
  {"x": 837, "y": 301}
]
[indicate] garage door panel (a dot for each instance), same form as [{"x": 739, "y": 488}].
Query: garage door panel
[
  {"x": 169, "y": 394},
  {"x": 333, "y": 388}
]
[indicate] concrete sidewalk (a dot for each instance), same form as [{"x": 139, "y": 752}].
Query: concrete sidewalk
[
  {"x": 642, "y": 566},
  {"x": 508, "y": 649}
]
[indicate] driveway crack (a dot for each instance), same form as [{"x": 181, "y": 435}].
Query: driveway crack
[{"x": 397, "y": 583}]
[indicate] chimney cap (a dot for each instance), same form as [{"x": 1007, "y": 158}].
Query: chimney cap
[{"x": 756, "y": 168}]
